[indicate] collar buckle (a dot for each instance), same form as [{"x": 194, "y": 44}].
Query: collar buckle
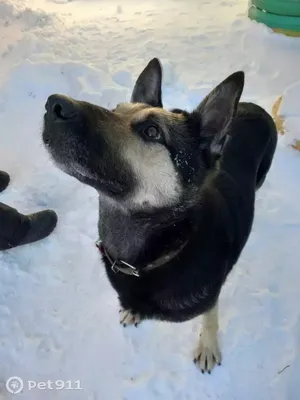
[
  {"x": 117, "y": 265},
  {"x": 128, "y": 269},
  {"x": 132, "y": 270}
]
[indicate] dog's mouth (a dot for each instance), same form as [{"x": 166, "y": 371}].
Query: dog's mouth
[{"x": 111, "y": 187}]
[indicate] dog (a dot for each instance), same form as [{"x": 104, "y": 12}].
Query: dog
[{"x": 176, "y": 194}]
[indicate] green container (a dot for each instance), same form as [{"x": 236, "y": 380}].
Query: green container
[{"x": 282, "y": 16}]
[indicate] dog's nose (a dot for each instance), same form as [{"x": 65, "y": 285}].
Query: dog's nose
[{"x": 61, "y": 107}]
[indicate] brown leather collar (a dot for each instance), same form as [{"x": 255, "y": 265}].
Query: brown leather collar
[{"x": 128, "y": 269}]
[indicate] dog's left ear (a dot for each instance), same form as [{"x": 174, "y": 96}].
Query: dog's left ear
[
  {"x": 219, "y": 107},
  {"x": 148, "y": 85}
]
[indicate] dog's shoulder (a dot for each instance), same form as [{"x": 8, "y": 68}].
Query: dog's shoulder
[{"x": 227, "y": 212}]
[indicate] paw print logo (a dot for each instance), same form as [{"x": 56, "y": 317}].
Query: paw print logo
[{"x": 14, "y": 385}]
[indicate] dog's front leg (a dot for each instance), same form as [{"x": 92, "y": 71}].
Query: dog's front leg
[{"x": 207, "y": 353}]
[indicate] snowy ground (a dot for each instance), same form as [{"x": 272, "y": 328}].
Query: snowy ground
[{"x": 58, "y": 314}]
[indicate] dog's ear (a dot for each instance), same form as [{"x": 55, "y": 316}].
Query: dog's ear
[
  {"x": 148, "y": 85},
  {"x": 219, "y": 107}
]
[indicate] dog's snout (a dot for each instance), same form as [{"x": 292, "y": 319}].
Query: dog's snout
[{"x": 61, "y": 107}]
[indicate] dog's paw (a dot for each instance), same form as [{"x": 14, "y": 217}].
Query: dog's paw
[
  {"x": 127, "y": 317},
  {"x": 207, "y": 354}
]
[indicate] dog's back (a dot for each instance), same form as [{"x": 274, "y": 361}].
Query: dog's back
[{"x": 251, "y": 152}]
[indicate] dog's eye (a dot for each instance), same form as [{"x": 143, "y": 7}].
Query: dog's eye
[{"x": 153, "y": 132}]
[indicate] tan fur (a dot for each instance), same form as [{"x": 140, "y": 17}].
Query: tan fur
[
  {"x": 128, "y": 318},
  {"x": 158, "y": 184},
  {"x": 129, "y": 108},
  {"x": 207, "y": 353},
  {"x": 140, "y": 112}
]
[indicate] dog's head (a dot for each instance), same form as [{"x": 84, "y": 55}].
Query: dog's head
[{"x": 139, "y": 154}]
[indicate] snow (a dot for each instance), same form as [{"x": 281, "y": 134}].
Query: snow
[{"x": 58, "y": 313}]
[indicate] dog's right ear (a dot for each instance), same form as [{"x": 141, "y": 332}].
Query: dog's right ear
[
  {"x": 148, "y": 85},
  {"x": 219, "y": 107}
]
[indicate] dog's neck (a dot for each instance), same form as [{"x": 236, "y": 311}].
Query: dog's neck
[{"x": 136, "y": 236}]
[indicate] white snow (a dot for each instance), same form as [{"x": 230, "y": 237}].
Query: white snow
[{"x": 58, "y": 313}]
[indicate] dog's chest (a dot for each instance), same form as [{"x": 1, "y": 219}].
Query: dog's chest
[{"x": 123, "y": 238}]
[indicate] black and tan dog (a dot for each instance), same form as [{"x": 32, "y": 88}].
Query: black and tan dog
[{"x": 176, "y": 193}]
